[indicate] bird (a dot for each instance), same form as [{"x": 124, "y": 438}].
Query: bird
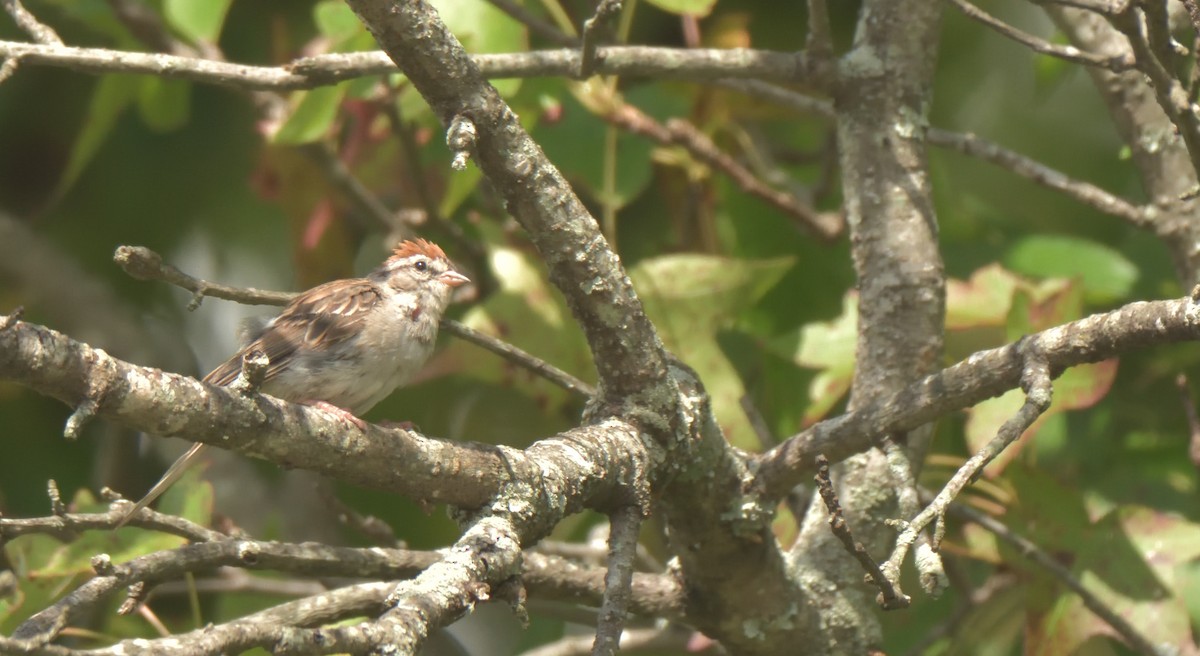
[{"x": 345, "y": 345}]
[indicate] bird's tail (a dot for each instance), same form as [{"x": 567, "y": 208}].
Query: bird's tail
[{"x": 173, "y": 473}]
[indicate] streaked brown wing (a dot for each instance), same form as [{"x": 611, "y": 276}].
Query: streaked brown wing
[{"x": 318, "y": 319}]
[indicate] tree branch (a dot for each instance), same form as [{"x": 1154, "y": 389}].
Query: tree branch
[
  {"x": 1035, "y": 380},
  {"x": 981, "y": 376},
  {"x": 1083, "y": 192},
  {"x": 41, "y": 32},
  {"x": 826, "y": 226},
  {"x": 1115, "y": 63},
  {"x": 397, "y": 461},
  {"x": 325, "y": 70},
  {"x": 890, "y": 597},
  {"x": 624, "y": 524}
]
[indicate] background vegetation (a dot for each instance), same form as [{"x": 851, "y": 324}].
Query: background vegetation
[{"x": 231, "y": 186}]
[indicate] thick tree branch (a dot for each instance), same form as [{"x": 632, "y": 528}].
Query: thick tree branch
[
  {"x": 398, "y": 461},
  {"x": 882, "y": 107},
  {"x": 167, "y": 404},
  {"x": 981, "y": 376}
]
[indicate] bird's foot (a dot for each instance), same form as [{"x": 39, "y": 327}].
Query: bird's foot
[{"x": 340, "y": 413}]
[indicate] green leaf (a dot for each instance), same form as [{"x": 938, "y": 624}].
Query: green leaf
[
  {"x": 198, "y": 20},
  {"x": 459, "y": 185},
  {"x": 313, "y": 116},
  {"x": 112, "y": 95},
  {"x": 164, "y": 104},
  {"x": 1132, "y": 561},
  {"x": 694, "y": 7},
  {"x": 829, "y": 347},
  {"x": 46, "y": 567},
  {"x": 991, "y": 628},
  {"x": 693, "y": 297},
  {"x": 1107, "y": 276},
  {"x": 984, "y": 300},
  {"x": 482, "y": 28},
  {"x": 336, "y": 21},
  {"x": 575, "y": 142},
  {"x": 1130, "y": 558}
]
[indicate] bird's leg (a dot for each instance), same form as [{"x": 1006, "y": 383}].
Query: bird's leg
[{"x": 341, "y": 413}]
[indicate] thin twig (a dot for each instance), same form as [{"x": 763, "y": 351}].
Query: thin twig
[
  {"x": 930, "y": 569},
  {"x": 390, "y": 106},
  {"x": 148, "y": 27},
  {"x": 699, "y": 64},
  {"x": 890, "y": 597},
  {"x": 229, "y": 580},
  {"x": 1083, "y": 192},
  {"x": 624, "y": 525},
  {"x": 1103, "y": 7},
  {"x": 369, "y": 526},
  {"x": 968, "y": 144},
  {"x": 819, "y": 42},
  {"x": 794, "y": 100},
  {"x": 1115, "y": 64},
  {"x": 144, "y": 264},
  {"x": 39, "y": 31},
  {"x": 596, "y": 29},
  {"x": 519, "y": 357},
  {"x": 824, "y": 225},
  {"x": 766, "y": 438},
  {"x": 1039, "y": 557},
  {"x": 1035, "y": 380},
  {"x": 68, "y": 526},
  {"x": 1168, "y": 90},
  {"x": 8, "y": 67}
]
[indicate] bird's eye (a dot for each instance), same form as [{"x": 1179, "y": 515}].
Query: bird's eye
[{"x": 421, "y": 265}]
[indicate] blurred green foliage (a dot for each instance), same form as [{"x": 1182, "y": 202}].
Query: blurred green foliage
[{"x": 755, "y": 305}]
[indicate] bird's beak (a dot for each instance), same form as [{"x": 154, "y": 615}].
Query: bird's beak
[{"x": 454, "y": 278}]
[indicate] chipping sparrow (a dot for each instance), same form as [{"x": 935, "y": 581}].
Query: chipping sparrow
[{"x": 345, "y": 345}]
